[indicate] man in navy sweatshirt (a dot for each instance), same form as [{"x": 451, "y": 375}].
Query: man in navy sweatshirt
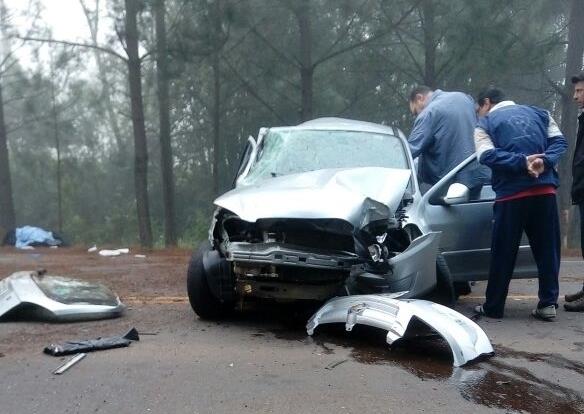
[{"x": 522, "y": 145}]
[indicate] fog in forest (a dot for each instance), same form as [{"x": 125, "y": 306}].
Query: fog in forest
[{"x": 127, "y": 131}]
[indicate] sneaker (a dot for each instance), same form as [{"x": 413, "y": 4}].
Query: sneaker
[
  {"x": 546, "y": 313},
  {"x": 575, "y": 306},
  {"x": 479, "y": 310},
  {"x": 575, "y": 296}
]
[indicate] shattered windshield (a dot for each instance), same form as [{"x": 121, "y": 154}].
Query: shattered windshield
[
  {"x": 72, "y": 291},
  {"x": 284, "y": 152}
]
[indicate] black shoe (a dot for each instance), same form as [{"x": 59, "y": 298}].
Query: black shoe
[
  {"x": 479, "y": 311},
  {"x": 574, "y": 296},
  {"x": 575, "y": 306}
]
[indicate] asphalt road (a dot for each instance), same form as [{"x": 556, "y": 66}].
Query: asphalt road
[{"x": 261, "y": 360}]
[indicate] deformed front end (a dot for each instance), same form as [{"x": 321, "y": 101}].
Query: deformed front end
[
  {"x": 271, "y": 242},
  {"x": 465, "y": 338}
]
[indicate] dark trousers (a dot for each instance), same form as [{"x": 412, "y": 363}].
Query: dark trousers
[
  {"x": 581, "y": 206},
  {"x": 538, "y": 217}
]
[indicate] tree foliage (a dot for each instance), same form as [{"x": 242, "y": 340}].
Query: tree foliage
[{"x": 233, "y": 66}]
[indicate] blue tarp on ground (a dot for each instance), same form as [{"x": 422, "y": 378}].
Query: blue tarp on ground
[{"x": 34, "y": 236}]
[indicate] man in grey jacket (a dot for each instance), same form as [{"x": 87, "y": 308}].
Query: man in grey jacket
[{"x": 442, "y": 136}]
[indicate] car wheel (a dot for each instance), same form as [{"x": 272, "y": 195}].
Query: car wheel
[
  {"x": 462, "y": 288},
  {"x": 444, "y": 284},
  {"x": 202, "y": 300}
]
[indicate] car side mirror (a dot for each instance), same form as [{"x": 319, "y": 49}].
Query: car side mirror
[{"x": 457, "y": 194}]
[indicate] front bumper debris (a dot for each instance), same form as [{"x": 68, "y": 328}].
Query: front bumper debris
[{"x": 466, "y": 339}]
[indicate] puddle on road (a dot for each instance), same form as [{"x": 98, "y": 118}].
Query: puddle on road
[
  {"x": 493, "y": 383},
  {"x": 497, "y": 384}
]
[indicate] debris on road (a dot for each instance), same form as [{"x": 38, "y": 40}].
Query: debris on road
[
  {"x": 335, "y": 364},
  {"x": 466, "y": 339},
  {"x": 116, "y": 252},
  {"x": 69, "y": 363},
  {"x": 90, "y": 345},
  {"x": 28, "y": 236},
  {"x": 35, "y": 295},
  {"x": 140, "y": 256},
  {"x": 92, "y": 249}
]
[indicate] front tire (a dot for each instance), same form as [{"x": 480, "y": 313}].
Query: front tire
[
  {"x": 444, "y": 284},
  {"x": 201, "y": 298}
]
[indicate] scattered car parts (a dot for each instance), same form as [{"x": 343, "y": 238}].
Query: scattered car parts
[
  {"x": 39, "y": 296},
  {"x": 69, "y": 363},
  {"x": 466, "y": 339},
  {"x": 90, "y": 345}
]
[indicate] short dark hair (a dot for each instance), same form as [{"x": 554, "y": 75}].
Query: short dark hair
[
  {"x": 493, "y": 94},
  {"x": 578, "y": 78},
  {"x": 419, "y": 90}
]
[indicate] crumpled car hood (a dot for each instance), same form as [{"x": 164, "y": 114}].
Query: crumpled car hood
[{"x": 332, "y": 193}]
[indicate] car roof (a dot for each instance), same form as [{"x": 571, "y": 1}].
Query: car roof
[{"x": 342, "y": 124}]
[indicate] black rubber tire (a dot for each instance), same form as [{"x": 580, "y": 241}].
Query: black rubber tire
[
  {"x": 462, "y": 288},
  {"x": 202, "y": 300},
  {"x": 444, "y": 284}
]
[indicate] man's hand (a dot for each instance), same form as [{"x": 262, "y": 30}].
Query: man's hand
[{"x": 535, "y": 165}]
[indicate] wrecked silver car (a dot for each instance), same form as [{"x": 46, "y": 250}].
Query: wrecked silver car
[{"x": 333, "y": 207}]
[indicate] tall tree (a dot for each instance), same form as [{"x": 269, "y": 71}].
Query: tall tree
[
  {"x": 137, "y": 106},
  {"x": 93, "y": 20},
  {"x": 429, "y": 30},
  {"x": 217, "y": 42},
  {"x": 7, "y": 216},
  {"x": 57, "y": 138},
  {"x": 166, "y": 164},
  {"x": 133, "y": 62},
  {"x": 303, "y": 13}
]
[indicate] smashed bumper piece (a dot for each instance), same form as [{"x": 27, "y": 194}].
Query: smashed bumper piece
[
  {"x": 465, "y": 338},
  {"x": 56, "y": 298}
]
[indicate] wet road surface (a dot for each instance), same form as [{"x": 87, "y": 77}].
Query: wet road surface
[{"x": 263, "y": 361}]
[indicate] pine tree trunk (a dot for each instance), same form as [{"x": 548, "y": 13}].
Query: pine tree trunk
[
  {"x": 307, "y": 68},
  {"x": 55, "y": 116},
  {"x": 163, "y": 108},
  {"x": 429, "y": 44},
  {"x": 137, "y": 108},
  {"x": 7, "y": 217},
  {"x": 216, "y": 99}
]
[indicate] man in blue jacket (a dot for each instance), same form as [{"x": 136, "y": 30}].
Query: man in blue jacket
[
  {"x": 522, "y": 145},
  {"x": 441, "y": 137}
]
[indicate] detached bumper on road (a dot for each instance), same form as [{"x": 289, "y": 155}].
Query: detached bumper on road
[{"x": 466, "y": 339}]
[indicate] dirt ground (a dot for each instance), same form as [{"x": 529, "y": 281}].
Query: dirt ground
[
  {"x": 159, "y": 278},
  {"x": 263, "y": 361}
]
